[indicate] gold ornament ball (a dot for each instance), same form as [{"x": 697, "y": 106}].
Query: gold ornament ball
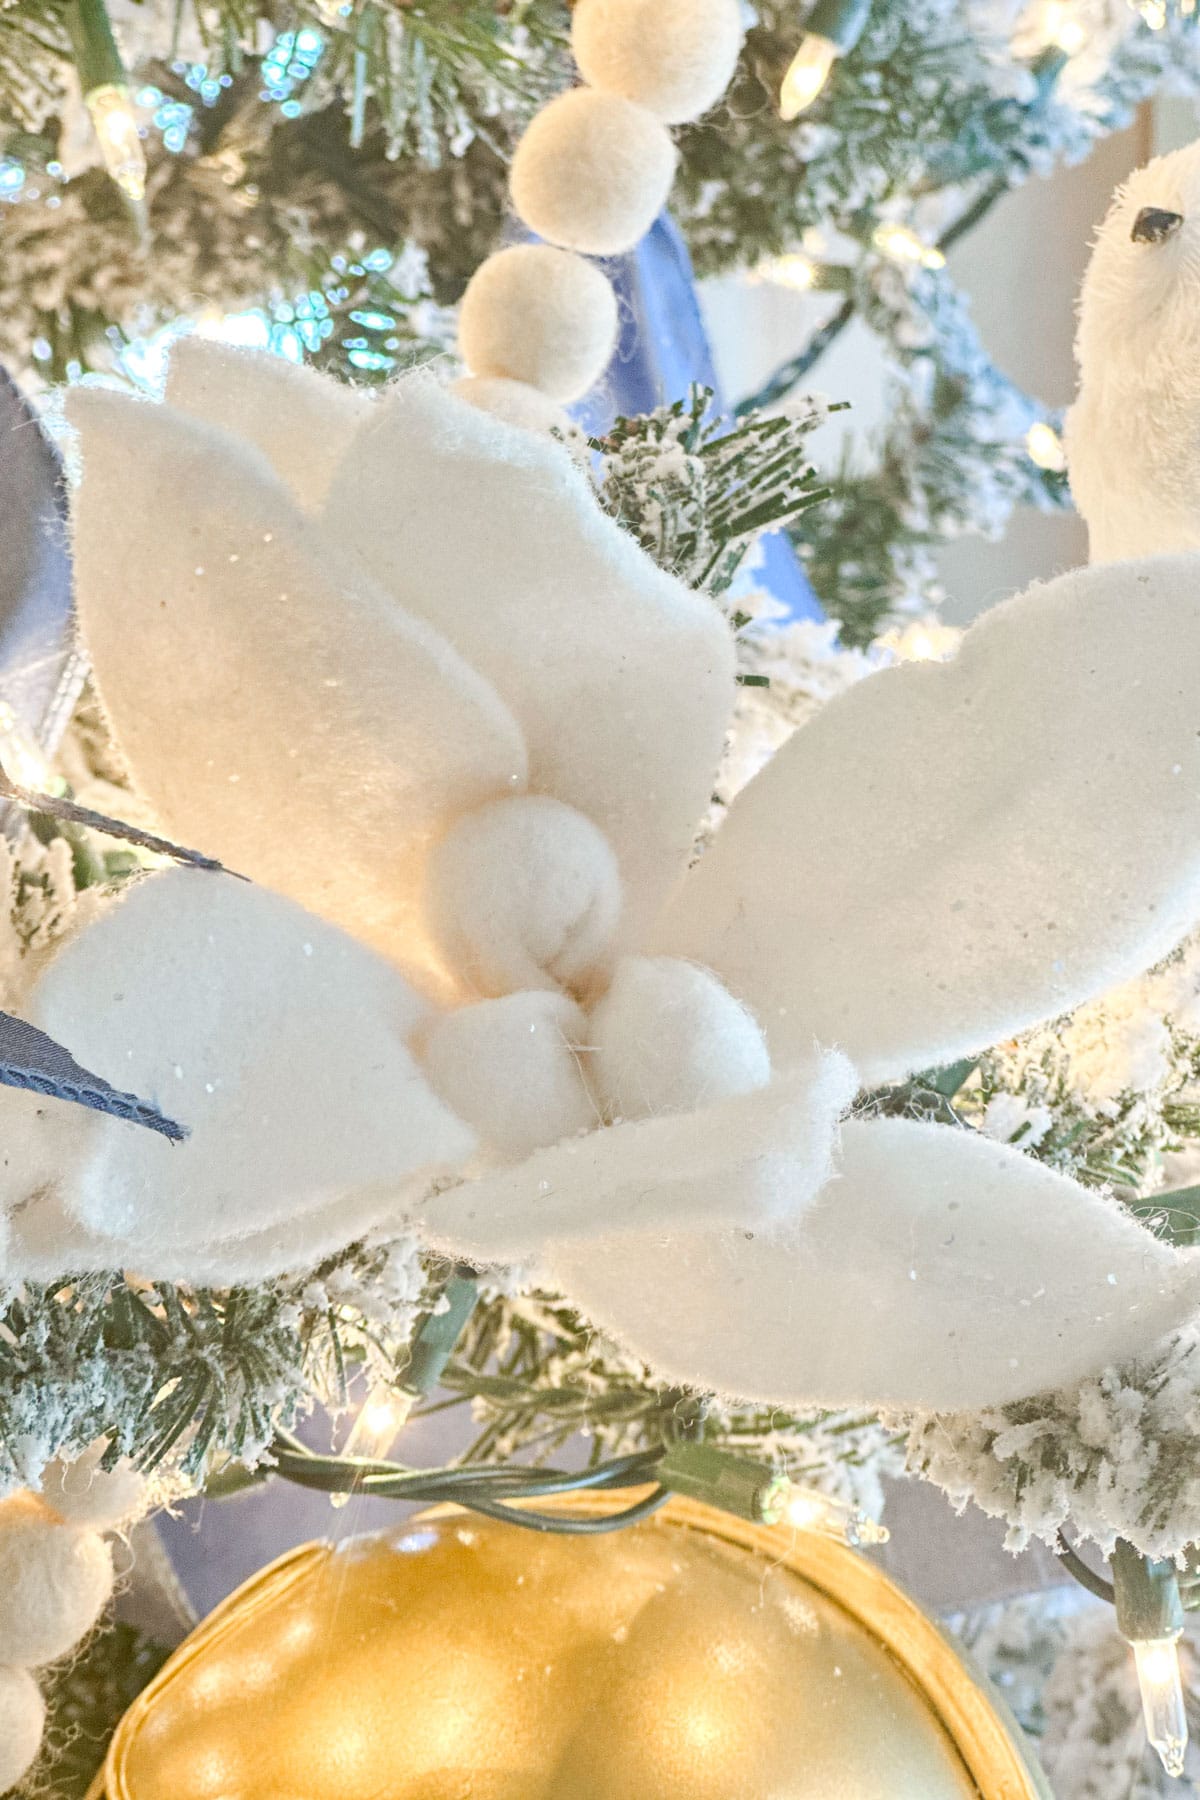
[{"x": 689, "y": 1658}]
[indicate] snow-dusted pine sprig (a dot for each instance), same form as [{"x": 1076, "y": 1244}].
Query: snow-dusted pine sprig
[
  {"x": 1110, "y": 1094},
  {"x": 697, "y": 492},
  {"x": 178, "y": 1376},
  {"x": 1116, "y": 1456}
]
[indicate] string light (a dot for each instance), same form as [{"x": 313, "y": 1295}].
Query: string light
[
  {"x": 381, "y": 1418},
  {"x": 20, "y": 757},
  {"x": 1153, "y": 12},
  {"x": 103, "y": 80},
  {"x": 807, "y": 74},
  {"x": 902, "y": 244},
  {"x": 760, "y": 1493},
  {"x": 1149, "y": 1607},
  {"x": 1157, "y": 1663},
  {"x": 806, "y": 1509},
  {"x": 1045, "y": 447},
  {"x": 386, "y": 1411},
  {"x": 116, "y": 127},
  {"x": 1060, "y": 26},
  {"x": 925, "y": 640},
  {"x": 834, "y": 27},
  {"x": 792, "y": 271}
]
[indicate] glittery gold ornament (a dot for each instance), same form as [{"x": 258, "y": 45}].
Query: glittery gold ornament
[{"x": 692, "y": 1657}]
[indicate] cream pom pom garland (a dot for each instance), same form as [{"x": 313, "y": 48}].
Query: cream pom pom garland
[
  {"x": 56, "y": 1576},
  {"x": 590, "y": 176},
  {"x": 540, "y": 316},
  {"x": 674, "y": 57},
  {"x": 22, "y": 1721},
  {"x": 593, "y": 172},
  {"x": 56, "y": 1579}
]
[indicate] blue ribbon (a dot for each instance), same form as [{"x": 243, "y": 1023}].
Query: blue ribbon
[{"x": 40, "y": 674}]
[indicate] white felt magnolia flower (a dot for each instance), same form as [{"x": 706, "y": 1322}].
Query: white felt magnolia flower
[{"x": 390, "y": 660}]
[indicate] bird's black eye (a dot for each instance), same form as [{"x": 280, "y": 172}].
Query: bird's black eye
[{"x": 1153, "y": 225}]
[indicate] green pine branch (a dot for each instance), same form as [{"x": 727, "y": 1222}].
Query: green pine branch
[{"x": 697, "y": 493}]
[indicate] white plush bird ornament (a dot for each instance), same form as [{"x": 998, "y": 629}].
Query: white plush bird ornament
[
  {"x": 1133, "y": 435},
  {"x": 388, "y": 657}
]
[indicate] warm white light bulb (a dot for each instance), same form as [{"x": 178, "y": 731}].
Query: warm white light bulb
[
  {"x": 807, "y": 75},
  {"x": 792, "y": 271},
  {"x": 902, "y": 244},
  {"x": 116, "y": 129},
  {"x": 1045, "y": 447},
  {"x": 381, "y": 1418},
  {"x": 807, "y": 1509},
  {"x": 1154, "y": 12},
  {"x": 1060, "y": 26},
  {"x": 925, "y": 640},
  {"x": 20, "y": 757},
  {"x": 1157, "y": 1661}
]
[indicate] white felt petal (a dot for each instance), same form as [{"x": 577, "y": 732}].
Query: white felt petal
[
  {"x": 56, "y": 1582},
  {"x": 620, "y": 677},
  {"x": 302, "y": 422},
  {"x": 278, "y": 709},
  {"x": 950, "y": 852},
  {"x": 48, "y": 1243},
  {"x": 280, "y": 1042},
  {"x": 41, "y": 1141},
  {"x": 937, "y": 1270},
  {"x": 749, "y": 1160}
]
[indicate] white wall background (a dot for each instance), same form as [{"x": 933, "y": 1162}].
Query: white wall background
[{"x": 1022, "y": 268}]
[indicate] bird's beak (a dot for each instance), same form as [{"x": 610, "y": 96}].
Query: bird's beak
[{"x": 1154, "y": 226}]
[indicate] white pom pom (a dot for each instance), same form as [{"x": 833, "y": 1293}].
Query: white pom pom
[
  {"x": 538, "y": 315},
  {"x": 22, "y": 1719},
  {"x": 85, "y": 1494},
  {"x": 667, "y": 1037},
  {"x": 524, "y": 893},
  {"x": 592, "y": 172},
  {"x": 510, "y": 1069},
  {"x": 675, "y": 56},
  {"x": 55, "y": 1581}
]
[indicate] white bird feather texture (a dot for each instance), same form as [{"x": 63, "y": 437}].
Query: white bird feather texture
[
  {"x": 1133, "y": 435},
  {"x": 945, "y": 855}
]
